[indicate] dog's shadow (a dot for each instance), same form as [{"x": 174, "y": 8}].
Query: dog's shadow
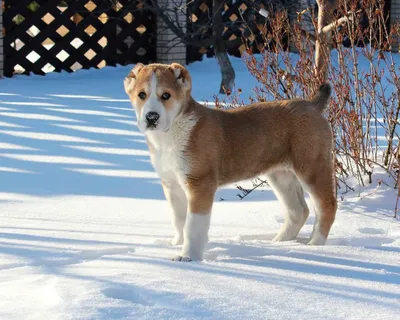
[
  {"x": 245, "y": 246},
  {"x": 259, "y": 251}
]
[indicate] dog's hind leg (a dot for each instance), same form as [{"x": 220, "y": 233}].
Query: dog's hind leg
[
  {"x": 289, "y": 192},
  {"x": 320, "y": 186},
  {"x": 178, "y": 202}
]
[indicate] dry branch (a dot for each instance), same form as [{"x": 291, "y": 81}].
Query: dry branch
[{"x": 338, "y": 23}]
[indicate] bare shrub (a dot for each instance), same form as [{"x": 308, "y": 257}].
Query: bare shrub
[{"x": 364, "y": 111}]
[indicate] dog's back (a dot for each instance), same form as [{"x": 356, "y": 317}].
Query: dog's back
[{"x": 253, "y": 139}]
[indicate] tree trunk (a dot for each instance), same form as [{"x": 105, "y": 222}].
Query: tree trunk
[
  {"x": 322, "y": 50},
  {"x": 227, "y": 71}
]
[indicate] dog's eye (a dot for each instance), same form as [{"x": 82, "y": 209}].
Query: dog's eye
[
  {"x": 165, "y": 96},
  {"x": 142, "y": 95}
]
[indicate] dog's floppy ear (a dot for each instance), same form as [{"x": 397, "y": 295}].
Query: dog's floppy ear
[
  {"x": 129, "y": 81},
  {"x": 182, "y": 76}
]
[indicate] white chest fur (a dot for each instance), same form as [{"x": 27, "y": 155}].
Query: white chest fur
[{"x": 168, "y": 148}]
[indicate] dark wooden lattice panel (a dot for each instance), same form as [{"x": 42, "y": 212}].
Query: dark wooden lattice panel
[
  {"x": 240, "y": 22},
  {"x": 44, "y": 36},
  {"x": 238, "y": 18},
  {"x": 135, "y": 40}
]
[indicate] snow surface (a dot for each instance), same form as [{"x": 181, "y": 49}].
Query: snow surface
[{"x": 85, "y": 228}]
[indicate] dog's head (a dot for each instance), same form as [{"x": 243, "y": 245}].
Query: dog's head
[{"x": 158, "y": 93}]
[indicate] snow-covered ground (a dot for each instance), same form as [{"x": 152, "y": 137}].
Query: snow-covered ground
[{"x": 84, "y": 227}]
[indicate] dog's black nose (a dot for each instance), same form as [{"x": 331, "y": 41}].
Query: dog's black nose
[{"x": 152, "y": 117}]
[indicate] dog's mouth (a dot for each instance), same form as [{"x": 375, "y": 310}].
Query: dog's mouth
[
  {"x": 151, "y": 126},
  {"x": 155, "y": 127}
]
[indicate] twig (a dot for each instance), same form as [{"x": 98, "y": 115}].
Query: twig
[
  {"x": 248, "y": 191},
  {"x": 338, "y": 23}
]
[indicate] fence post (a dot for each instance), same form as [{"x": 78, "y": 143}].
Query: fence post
[
  {"x": 1, "y": 41},
  {"x": 169, "y": 47}
]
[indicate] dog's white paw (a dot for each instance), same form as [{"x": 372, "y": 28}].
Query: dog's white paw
[
  {"x": 180, "y": 258},
  {"x": 177, "y": 240},
  {"x": 283, "y": 236},
  {"x": 317, "y": 239}
]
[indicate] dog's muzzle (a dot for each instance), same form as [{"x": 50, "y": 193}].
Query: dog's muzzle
[{"x": 152, "y": 119}]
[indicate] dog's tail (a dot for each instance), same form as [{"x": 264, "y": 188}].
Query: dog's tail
[{"x": 321, "y": 97}]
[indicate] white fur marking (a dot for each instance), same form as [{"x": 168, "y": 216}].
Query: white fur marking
[
  {"x": 195, "y": 235},
  {"x": 289, "y": 193},
  {"x": 168, "y": 147},
  {"x": 178, "y": 202},
  {"x": 316, "y": 237},
  {"x": 152, "y": 104},
  {"x": 172, "y": 167},
  {"x": 152, "y": 101}
]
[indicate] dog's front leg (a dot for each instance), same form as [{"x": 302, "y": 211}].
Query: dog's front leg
[
  {"x": 178, "y": 202},
  {"x": 200, "y": 199}
]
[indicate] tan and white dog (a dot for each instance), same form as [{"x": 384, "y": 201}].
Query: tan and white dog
[{"x": 196, "y": 149}]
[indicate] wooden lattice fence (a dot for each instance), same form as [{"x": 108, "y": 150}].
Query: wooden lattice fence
[
  {"x": 43, "y": 36},
  {"x": 242, "y": 22}
]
